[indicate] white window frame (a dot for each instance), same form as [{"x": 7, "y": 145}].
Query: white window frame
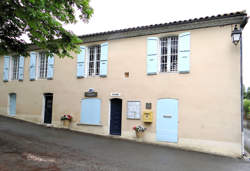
[
  {"x": 11, "y": 67},
  {"x": 87, "y": 59},
  {"x": 45, "y": 72},
  {"x": 169, "y": 43}
]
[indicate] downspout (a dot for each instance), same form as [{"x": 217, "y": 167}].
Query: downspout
[
  {"x": 242, "y": 25},
  {"x": 241, "y": 100}
]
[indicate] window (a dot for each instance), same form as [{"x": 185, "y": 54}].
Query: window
[
  {"x": 43, "y": 65},
  {"x": 14, "y": 67},
  {"x": 94, "y": 60},
  {"x": 91, "y": 111},
  {"x": 169, "y": 54}
]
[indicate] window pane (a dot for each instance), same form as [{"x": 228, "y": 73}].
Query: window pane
[
  {"x": 15, "y": 67},
  {"x": 174, "y": 54},
  {"x": 43, "y": 65},
  {"x": 169, "y": 53},
  {"x": 97, "y": 66},
  {"x": 164, "y": 52},
  {"x": 94, "y": 60}
]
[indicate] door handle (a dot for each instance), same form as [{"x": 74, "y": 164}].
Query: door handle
[{"x": 167, "y": 116}]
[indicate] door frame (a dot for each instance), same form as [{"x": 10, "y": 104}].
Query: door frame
[
  {"x": 109, "y": 121},
  {"x": 43, "y": 107}
]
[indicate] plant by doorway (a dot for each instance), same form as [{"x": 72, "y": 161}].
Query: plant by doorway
[
  {"x": 139, "y": 130},
  {"x": 66, "y": 117}
]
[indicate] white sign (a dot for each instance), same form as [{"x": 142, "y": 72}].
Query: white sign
[
  {"x": 115, "y": 94},
  {"x": 133, "y": 110}
]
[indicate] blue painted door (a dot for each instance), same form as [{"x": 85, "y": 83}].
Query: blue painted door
[
  {"x": 116, "y": 117},
  {"x": 12, "y": 109},
  {"x": 167, "y": 120}
]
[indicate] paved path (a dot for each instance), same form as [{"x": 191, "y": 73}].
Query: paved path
[
  {"x": 247, "y": 136},
  {"x": 25, "y": 146},
  {"x": 247, "y": 140}
]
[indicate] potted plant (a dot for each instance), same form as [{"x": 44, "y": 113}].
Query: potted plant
[
  {"x": 66, "y": 120},
  {"x": 139, "y": 130}
]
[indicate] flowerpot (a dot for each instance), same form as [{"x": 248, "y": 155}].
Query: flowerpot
[
  {"x": 66, "y": 123},
  {"x": 139, "y": 134}
]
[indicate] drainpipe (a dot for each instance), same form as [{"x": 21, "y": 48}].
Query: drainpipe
[
  {"x": 242, "y": 25},
  {"x": 241, "y": 99}
]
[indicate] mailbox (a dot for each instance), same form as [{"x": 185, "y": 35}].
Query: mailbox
[{"x": 147, "y": 116}]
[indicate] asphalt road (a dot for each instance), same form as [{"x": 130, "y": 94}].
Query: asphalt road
[{"x": 26, "y": 146}]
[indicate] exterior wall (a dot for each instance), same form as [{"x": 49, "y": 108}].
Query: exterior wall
[{"x": 209, "y": 96}]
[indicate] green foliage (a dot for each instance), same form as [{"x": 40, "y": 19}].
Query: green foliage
[
  {"x": 247, "y": 94},
  {"x": 42, "y": 21},
  {"x": 244, "y": 91},
  {"x": 246, "y": 105}
]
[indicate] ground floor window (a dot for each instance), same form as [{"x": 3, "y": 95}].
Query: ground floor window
[{"x": 90, "y": 111}]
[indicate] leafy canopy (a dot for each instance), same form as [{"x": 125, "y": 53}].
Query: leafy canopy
[{"x": 42, "y": 21}]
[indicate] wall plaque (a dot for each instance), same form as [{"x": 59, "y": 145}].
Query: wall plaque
[
  {"x": 148, "y": 105},
  {"x": 90, "y": 94},
  {"x": 115, "y": 94}
]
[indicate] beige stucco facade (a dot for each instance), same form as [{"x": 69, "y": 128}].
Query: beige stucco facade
[{"x": 209, "y": 101}]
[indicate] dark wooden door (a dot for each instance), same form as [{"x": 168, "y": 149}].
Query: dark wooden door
[
  {"x": 48, "y": 108},
  {"x": 116, "y": 117}
]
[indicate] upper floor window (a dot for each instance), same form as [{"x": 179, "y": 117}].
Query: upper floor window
[
  {"x": 14, "y": 67},
  {"x": 94, "y": 60},
  {"x": 43, "y": 65},
  {"x": 169, "y": 54}
]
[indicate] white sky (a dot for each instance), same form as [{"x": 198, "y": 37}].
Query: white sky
[{"x": 118, "y": 14}]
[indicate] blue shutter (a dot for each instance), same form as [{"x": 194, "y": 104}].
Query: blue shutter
[
  {"x": 32, "y": 65},
  {"x": 184, "y": 53},
  {"x": 50, "y": 72},
  {"x": 6, "y": 68},
  {"x": 21, "y": 68},
  {"x": 152, "y": 54},
  {"x": 104, "y": 60},
  {"x": 91, "y": 111},
  {"x": 80, "y": 62}
]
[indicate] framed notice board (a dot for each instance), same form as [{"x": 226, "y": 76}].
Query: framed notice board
[{"x": 133, "y": 110}]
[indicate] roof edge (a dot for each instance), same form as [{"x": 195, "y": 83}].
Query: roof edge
[{"x": 205, "y": 22}]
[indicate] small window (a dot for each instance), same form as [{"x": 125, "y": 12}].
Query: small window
[
  {"x": 94, "y": 60},
  {"x": 14, "y": 67},
  {"x": 43, "y": 65},
  {"x": 169, "y": 54},
  {"x": 133, "y": 110}
]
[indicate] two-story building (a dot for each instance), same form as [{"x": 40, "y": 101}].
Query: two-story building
[{"x": 180, "y": 80}]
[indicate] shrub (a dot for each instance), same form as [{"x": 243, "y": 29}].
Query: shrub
[{"x": 246, "y": 104}]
